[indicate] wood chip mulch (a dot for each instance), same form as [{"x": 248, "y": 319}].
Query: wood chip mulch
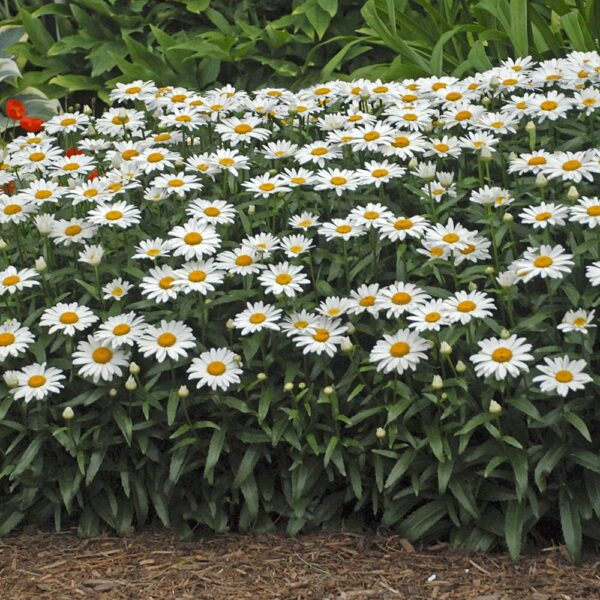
[{"x": 338, "y": 566}]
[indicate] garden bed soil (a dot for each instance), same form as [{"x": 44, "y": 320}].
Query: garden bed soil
[{"x": 339, "y": 566}]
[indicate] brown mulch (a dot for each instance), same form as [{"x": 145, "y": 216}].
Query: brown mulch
[{"x": 338, "y": 566}]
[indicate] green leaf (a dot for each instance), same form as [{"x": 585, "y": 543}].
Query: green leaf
[
  {"x": 579, "y": 424},
  {"x": 36, "y": 32},
  {"x": 246, "y": 466},
  {"x": 514, "y": 521},
  {"x": 329, "y": 6},
  {"x": 546, "y": 465},
  {"x": 124, "y": 423},
  {"x": 400, "y": 467},
  {"x": 519, "y": 22},
  {"x": 571, "y": 525},
  {"x": 28, "y": 456},
  {"x": 172, "y": 405}
]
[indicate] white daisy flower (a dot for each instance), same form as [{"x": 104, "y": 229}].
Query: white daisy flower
[
  {"x": 545, "y": 214},
  {"x": 399, "y": 228},
  {"x": 241, "y": 261},
  {"x": 562, "y": 375},
  {"x": 428, "y": 316},
  {"x": 323, "y": 335},
  {"x": 216, "y": 212},
  {"x": 14, "y": 339},
  {"x": 152, "y": 249},
  {"x": 117, "y": 214},
  {"x": 199, "y": 276},
  {"x": 98, "y": 361},
  {"x": 371, "y": 215},
  {"x": 159, "y": 285},
  {"x": 36, "y": 381},
  {"x": 341, "y": 228},
  {"x": 465, "y": 306},
  {"x": 194, "y": 239},
  {"x": 587, "y": 211},
  {"x": 577, "y": 320},
  {"x": 73, "y": 231},
  {"x": 256, "y": 317},
  {"x": 545, "y": 261},
  {"x": 295, "y": 245},
  {"x": 364, "y": 299},
  {"x": 298, "y": 322},
  {"x": 121, "y": 330},
  {"x": 215, "y": 368},
  {"x": 15, "y": 209},
  {"x": 171, "y": 339},
  {"x": 500, "y": 358},
  {"x": 283, "y": 278},
  {"x": 592, "y": 272},
  {"x": 334, "y": 306},
  {"x": 399, "y": 352},
  {"x": 179, "y": 184},
  {"x": 68, "y": 318},
  {"x": 304, "y": 221},
  {"x": 116, "y": 289},
  {"x": 13, "y": 280},
  {"x": 399, "y": 298}
]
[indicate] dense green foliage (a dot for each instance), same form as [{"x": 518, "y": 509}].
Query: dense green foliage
[{"x": 79, "y": 48}]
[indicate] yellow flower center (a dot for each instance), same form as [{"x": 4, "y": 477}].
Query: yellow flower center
[
  {"x": 463, "y": 115},
  {"x": 298, "y": 180},
  {"x": 162, "y": 137},
  {"x": 283, "y": 278},
  {"x": 380, "y": 89},
  {"x": 166, "y": 340},
  {"x": 243, "y": 128},
  {"x": 571, "y": 165},
  {"x": 563, "y": 376},
  {"x": 541, "y": 262},
  {"x": 343, "y": 229},
  {"x": 176, "y": 182},
  {"x": 338, "y": 180},
  {"x": 536, "y": 160},
  {"x": 594, "y": 211},
  {"x": 401, "y": 141},
  {"x": 436, "y": 251},
  {"x": 502, "y": 355},
  {"x": 153, "y": 252},
  {"x": 178, "y": 98},
  {"x": 114, "y": 215},
  {"x": 543, "y": 216},
  {"x": 379, "y": 173},
  {"x": 402, "y": 224},
  {"x": 257, "y": 318},
  {"x": 510, "y": 81},
  {"x": 116, "y": 120},
  {"x": 438, "y": 85},
  {"x": 6, "y": 339},
  {"x": 466, "y": 306},
  {"x": 410, "y": 117},
  {"x": 37, "y": 156},
  {"x": 69, "y": 318},
  {"x": 72, "y": 230},
  {"x": 401, "y": 298},
  {"x": 497, "y": 124},
  {"x": 548, "y": 105},
  {"x": 117, "y": 291},
  {"x": 134, "y": 89},
  {"x": 371, "y": 136},
  {"x": 166, "y": 283},
  {"x": 367, "y": 301},
  {"x": 72, "y": 166},
  {"x": 321, "y": 335},
  {"x": 301, "y": 324},
  {"x": 12, "y": 209},
  {"x": 318, "y": 151},
  {"x": 442, "y": 147},
  {"x": 155, "y": 157},
  {"x": 11, "y": 280},
  {"x": 468, "y": 250},
  {"x": 243, "y": 260},
  {"x": 433, "y": 317},
  {"x": 226, "y": 162},
  {"x": 580, "y": 322},
  {"x": 196, "y": 276},
  {"x": 36, "y": 381},
  {"x": 589, "y": 102},
  {"x": 183, "y": 118},
  {"x": 102, "y": 355},
  {"x": 399, "y": 349},
  {"x": 451, "y": 238},
  {"x": 121, "y": 329},
  {"x": 266, "y": 187},
  {"x": 43, "y": 194},
  {"x": 409, "y": 97},
  {"x": 453, "y": 96},
  {"x": 115, "y": 187},
  {"x": 216, "y": 368},
  {"x": 296, "y": 249},
  {"x": 193, "y": 238},
  {"x": 68, "y": 121}
]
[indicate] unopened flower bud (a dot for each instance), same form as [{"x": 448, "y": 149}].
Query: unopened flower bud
[
  {"x": 134, "y": 368},
  {"x": 472, "y": 286},
  {"x": 495, "y": 408},
  {"x": 346, "y": 345},
  {"x": 512, "y": 156},
  {"x": 485, "y": 155},
  {"x": 301, "y": 385},
  {"x": 261, "y": 376},
  {"x": 207, "y": 301},
  {"x": 130, "y": 384},
  {"x": 237, "y": 358},
  {"x": 507, "y": 217},
  {"x": 252, "y": 210},
  {"x": 494, "y": 81},
  {"x": 230, "y": 324},
  {"x": 87, "y": 110},
  {"x": 3, "y": 244},
  {"x": 40, "y": 264},
  {"x": 183, "y": 391},
  {"x": 68, "y": 413},
  {"x": 288, "y": 387},
  {"x": 461, "y": 367},
  {"x": 490, "y": 270},
  {"x": 530, "y": 127},
  {"x": 437, "y": 383},
  {"x": 112, "y": 392},
  {"x": 413, "y": 163},
  {"x": 350, "y": 329},
  {"x": 486, "y": 101},
  {"x": 443, "y": 395},
  {"x": 505, "y": 334},
  {"x": 328, "y": 390},
  {"x": 540, "y": 181},
  {"x": 445, "y": 348},
  {"x": 380, "y": 433},
  {"x": 10, "y": 379},
  {"x": 573, "y": 193}
]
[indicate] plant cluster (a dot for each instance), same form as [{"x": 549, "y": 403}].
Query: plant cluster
[{"x": 363, "y": 302}]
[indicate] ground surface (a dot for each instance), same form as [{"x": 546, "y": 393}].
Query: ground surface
[{"x": 151, "y": 566}]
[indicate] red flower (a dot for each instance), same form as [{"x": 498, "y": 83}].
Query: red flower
[
  {"x": 93, "y": 175},
  {"x": 72, "y": 152},
  {"x": 32, "y": 124},
  {"x": 9, "y": 188},
  {"x": 15, "y": 109}
]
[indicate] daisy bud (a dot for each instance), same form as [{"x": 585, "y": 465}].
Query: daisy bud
[
  {"x": 443, "y": 396},
  {"x": 207, "y": 301},
  {"x": 301, "y": 385},
  {"x": 380, "y": 433},
  {"x": 445, "y": 348},
  {"x": 573, "y": 193},
  {"x": 507, "y": 279},
  {"x": 505, "y": 334},
  {"x": 44, "y": 224},
  {"x": 10, "y": 379},
  {"x": 87, "y": 110},
  {"x": 430, "y": 344},
  {"x": 485, "y": 155},
  {"x": 230, "y": 324},
  {"x": 460, "y": 367},
  {"x": 237, "y": 358},
  {"x": 179, "y": 163},
  {"x": 494, "y": 81},
  {"x": 346, "y": 345},
  {"x": 134, "y": 368},
  {"x": 490, "y": 270},
  {"x": 540, "y": 181},
  {"x": 130, "y": 384},
  {"x": 112, "y": 392},
  {"x": 512, "y": 156},
  {"x": 261, "y": 376},
  {"x": 272, "y": 172},
  {"x": 68, "y": 413},
  {"x": 530, "y": 127},
  {"x": 288, "y": 387},
  {"x": 350, "y": 329},
  {"x": 183, "y": 391},
  {"x": 437, "y": 383},
  {"x": 495, "y": 408},
  {"x": 472, "y": 286},
  {"x": 486, "y": 101},
  {"x": 328, "y": 390},
  {"x": 413, "y": 163},
  {"x": 364, "y": 94},
  {"x": 507, "y": 217},
  {"x": 91, "y": 131},
  {"x": 252, "y": 210},
  {"x": 3, "y": 244},
  {"x": 40, "y": 264}
]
